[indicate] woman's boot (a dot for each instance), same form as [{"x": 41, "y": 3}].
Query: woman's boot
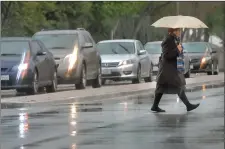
[
  {"x": 155, "y": 106},
  {"x": 184, "y": 99}
]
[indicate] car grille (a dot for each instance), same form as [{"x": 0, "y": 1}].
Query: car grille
[
  {"x": 113, "y": 74},
  {"x": 112, "y": 64},
  {"x": 4, "y": 69},
  {"x": 195, "y": 60}
]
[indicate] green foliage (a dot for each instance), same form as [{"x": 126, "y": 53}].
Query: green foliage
[{"x": 20, "y": 18}]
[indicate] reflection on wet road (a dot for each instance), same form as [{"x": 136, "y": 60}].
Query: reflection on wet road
[{"x": 111, "y": 124}]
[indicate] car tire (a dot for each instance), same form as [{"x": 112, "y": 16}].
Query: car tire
[
  {"x": 83, "y": 79},
  {"x": 34, "y": 89},
  {"x": 138, "y": 79},
  {"x": 53, "y": 87},
  {"x": 103, "y": 81},
  {"x": 217, "y": 70},
  {"x": 212, "y": 70},
  {"x": 149, "y": 78},
  {"x": 188, "y": 74},
  {"x": 97, "y": 83}
]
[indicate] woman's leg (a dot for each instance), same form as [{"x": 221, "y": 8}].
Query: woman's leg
[
  {"x": 184, "y": 99},
  {"x": 155, "y": 106}
]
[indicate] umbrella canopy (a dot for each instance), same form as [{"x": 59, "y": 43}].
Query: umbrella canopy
[{"x": 179, "y": 22}]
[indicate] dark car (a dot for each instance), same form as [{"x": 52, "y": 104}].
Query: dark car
[
  {"x": 27, "y": 66},
  {"x": 154, "y": 49},
  {"x": 203, "y": 57},
  {"x": 76, "y": 55}
]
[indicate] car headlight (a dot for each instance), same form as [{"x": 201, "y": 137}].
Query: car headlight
[
  {"x": 126, "y": 62},
  {"x": 71, "y": 58},
  {"x": 23, "y": 66},
  {"x": 205, "y": 59}
]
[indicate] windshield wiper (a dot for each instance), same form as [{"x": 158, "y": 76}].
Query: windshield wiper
[
  {"x": 9, "y": 54},
  {"x": 57, "y": 48},
  {"x": 114, "y": 51},
  {"x": 124, "y": 48}
]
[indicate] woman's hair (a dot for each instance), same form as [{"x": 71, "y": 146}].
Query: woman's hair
[{"x": 171, "y": 30}]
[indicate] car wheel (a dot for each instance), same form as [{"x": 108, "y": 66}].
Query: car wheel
[
  {"x": 103, "y": 81},
  {"x": 149, "y": 78},
  {"x": 83, "y": 79},
  {"x": 53, "y": 87},
  {"x": 217, "y": 70},
  {"x": 98, "y": 81},
  {"x": 138, "y": 79},
  {"x": 34, "y": 89},
  {"x": 188, "y": 74},
  {"x": 212, "y": 70}
]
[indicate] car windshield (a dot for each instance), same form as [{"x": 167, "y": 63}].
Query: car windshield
[
  {"x": 9, "y": 48},
  {"x": 195, "y": 47},
  {"x": 153, "y": 48},
  {"x": 57, "y": 41},
  {"x": 116, "y": 48}
]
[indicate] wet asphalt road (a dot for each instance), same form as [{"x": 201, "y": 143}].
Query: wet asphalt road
[
  {"x": 118, "y": 124},
  {"x": 61, "y": 88}
]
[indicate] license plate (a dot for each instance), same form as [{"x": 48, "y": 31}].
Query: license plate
[
  {"x": 106, "y": 71},
  {"x": 191, "y": 67},
  {"x": 4, "y": 77}
]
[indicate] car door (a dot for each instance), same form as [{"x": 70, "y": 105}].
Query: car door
[
  {"x": 91, "y": 53},
  {"x": 144, "y": 60},
  {"x": 187, "y": 61},
  {"x": 40, "y": 62},
  {"x": 50, "y": 61},
  {"x": 95, "y": 56}
]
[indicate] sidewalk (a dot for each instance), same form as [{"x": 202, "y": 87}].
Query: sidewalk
[{"x": 112, "y": 91}]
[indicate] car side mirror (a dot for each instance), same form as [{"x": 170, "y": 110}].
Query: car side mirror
[
  {"x": 87, "y": 45},
  {"x": 214, "y": 51},
  {"x": 142, "y": 52},
  {"x": 40, "y": 53}
]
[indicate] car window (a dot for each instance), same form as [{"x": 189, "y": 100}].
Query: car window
[
  {"x": 193, "y": 47},
  {"x": 108, "y": 48},
  {"x": 87, "y": 38},
  {"x": 35, "y": 47},
  {"x": 81, "y": 39},
  {"x": 138, "y": 46},
  {"x": 43, "y": 48},
  {"x": 153, "y": 48},
  {"x": 141, "y": 45},
  {"x": 14, "y": 47},
  {"x": 58, "y": 41},
  {"x": 91, "y": 39}
]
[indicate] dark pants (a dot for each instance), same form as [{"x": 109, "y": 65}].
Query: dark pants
[{"x": 181, "y": 95}]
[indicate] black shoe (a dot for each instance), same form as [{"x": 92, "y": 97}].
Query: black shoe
[
  {"x": 192, "y": 107},
  {"x": 157, "y": 110}
]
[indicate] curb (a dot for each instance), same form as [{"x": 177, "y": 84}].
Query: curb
[{"x": 133, "y": 94}]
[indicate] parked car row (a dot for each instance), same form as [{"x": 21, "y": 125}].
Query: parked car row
[
  {"x": 55, "y": 57},
  {"x": 198, "y": 57}
]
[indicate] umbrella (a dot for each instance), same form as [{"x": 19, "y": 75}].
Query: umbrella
[{"x": 179, "y": 22}]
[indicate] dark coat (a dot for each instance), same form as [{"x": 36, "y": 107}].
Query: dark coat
[{"x": 169, "y": 79}]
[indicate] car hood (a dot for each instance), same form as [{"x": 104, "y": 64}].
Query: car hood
[
  {"x": 196, "y": 55},
  {"x": 116, "y": 57},
  {"x": 154, "y": 58},
  {"x": 60, "y": 53},
  {"x": 7, "y": 62}
]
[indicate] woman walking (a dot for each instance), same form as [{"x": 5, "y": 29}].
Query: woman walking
[{"x": 170, "y": 78}]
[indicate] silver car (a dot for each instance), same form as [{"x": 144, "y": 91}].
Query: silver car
[
  {"x": 154, "y": 49},
  {"x": 75, "y": 53},
  {"x": 124, "y": 59}
]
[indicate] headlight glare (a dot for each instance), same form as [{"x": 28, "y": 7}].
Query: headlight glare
[{"x": 23, "y": 66}]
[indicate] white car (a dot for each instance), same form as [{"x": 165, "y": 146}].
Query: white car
[{"x": 124, "y": 59}]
